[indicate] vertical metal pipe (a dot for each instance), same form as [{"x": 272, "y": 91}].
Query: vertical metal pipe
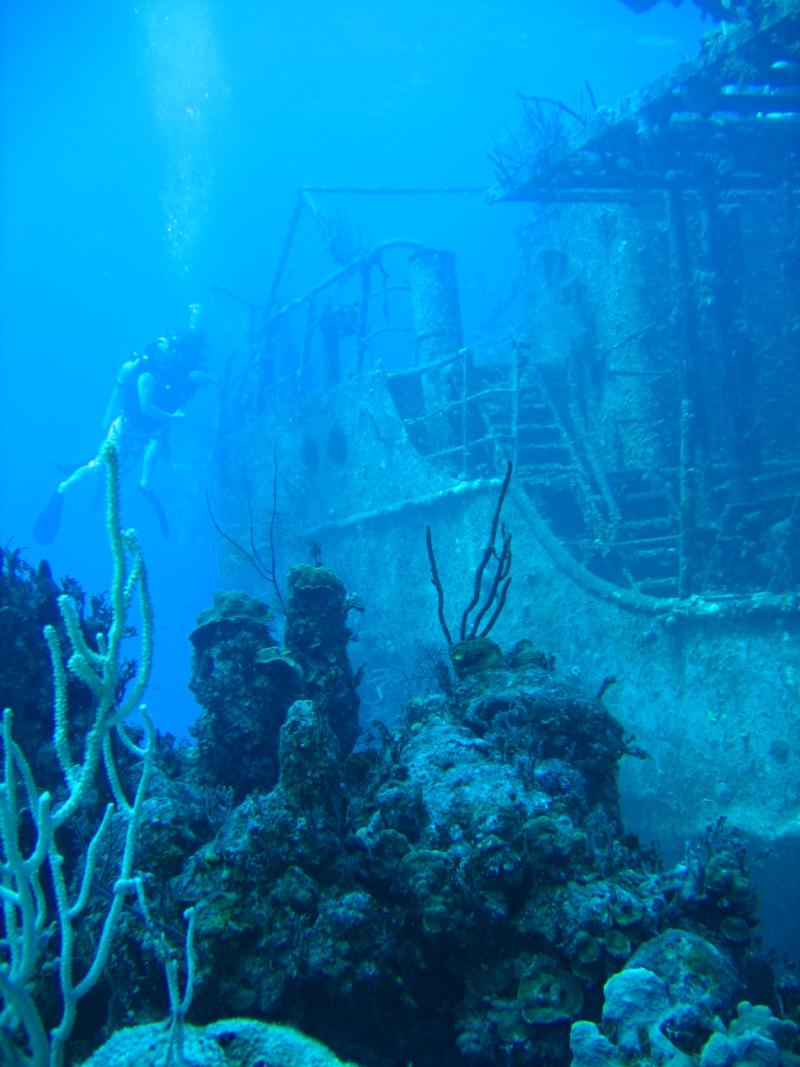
[
  {"x": 687, "y": 444},
  {"x": 434, "y": 304},
  {"x": 363, "y": 314}
]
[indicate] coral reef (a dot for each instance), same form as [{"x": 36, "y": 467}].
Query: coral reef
[
  {"x": 28, "y": 603},
  {"x": 228, "y": 1043},
  {"x": 648, "y": 1021},
  {"x": 467, "y": 876},
  {"x": 459, "y": 889}
]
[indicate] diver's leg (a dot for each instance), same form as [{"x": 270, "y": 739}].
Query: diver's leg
[
  {"x": 151, "y": 450},
  {"x": 78, "y": 475},
  {"x": 114, "y": 437},
  {"x": 49, "y": 520}
]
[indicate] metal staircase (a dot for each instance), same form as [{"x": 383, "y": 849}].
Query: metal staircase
[{"x": 624, "y": 526}]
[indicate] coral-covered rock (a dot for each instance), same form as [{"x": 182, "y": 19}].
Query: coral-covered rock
[
  {"x": 245, "y": 685},
  {"x": 317, "y": 637},
  {"x": 227, "y": 1043},
  {"x": 645, "y": 1022},
  {"x": 694, "y": 971},
  {"x": 475, "y": 655},
  {"x": 310, "y": 776}
]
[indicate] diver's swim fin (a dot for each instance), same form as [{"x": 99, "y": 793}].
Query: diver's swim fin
[
  {"x": 161, "y": 515},
  {"x": 49, "y": 521}
]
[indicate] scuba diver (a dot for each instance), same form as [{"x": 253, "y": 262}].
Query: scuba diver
[{"x": 149, "y": 397}]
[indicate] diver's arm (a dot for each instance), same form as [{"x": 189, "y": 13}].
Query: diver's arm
[
  {"x": 146, "y": 387},
  {"x": 200, "y": 377}
]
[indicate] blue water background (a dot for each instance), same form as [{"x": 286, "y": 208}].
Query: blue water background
[{"x": 151, "y": 152}]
